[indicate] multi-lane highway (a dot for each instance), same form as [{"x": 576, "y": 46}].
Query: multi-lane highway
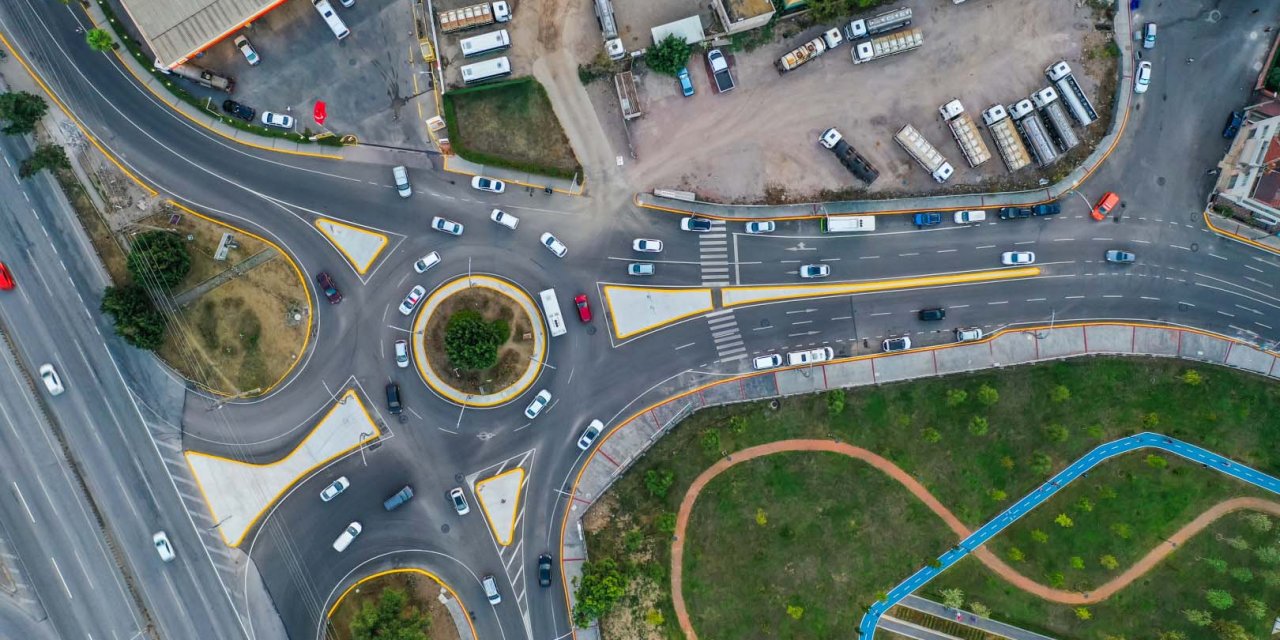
[{"x": 129, "y": 443}]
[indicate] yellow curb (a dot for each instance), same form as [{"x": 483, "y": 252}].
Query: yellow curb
[
  {"x": 612, "y": 316},
  {"x": 349, "y": 395},
  {"x": 1235, "y": 236},
  {"x": 360, "y": 268},
  {"x": 424, "y": 572},
  {"x": 788, "y": 292},
  {"x": 515, "y": 509}
]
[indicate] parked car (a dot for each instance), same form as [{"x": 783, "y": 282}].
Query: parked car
[
  {"x": 968, "y": 335},
  {"x": 590, "y": 434},
  {"x": 640, "y": 269},
  {"x": 488, "y": 184},
  {"x": 645, "y": 245},
  {"x": 338, "y": 486},
  {"x": 244, "y": 112},
  {"x": 6, "y": 278},
  {"x": 330, "y": 290},
  {"x": 810, "y": 356},
  {"x": 347, "y": 535},
  {"x": 446, "y": 225},
  {"x": 402, "y": 353},
  {"x": 896, "y": 344},
  {"x": 931, "y": 315},
  {"x": 1010, "y": 213},
  {"x": 1142, "y": 79},
  {"x": 1105, "y": 205},
  {"x": 505, "y": 219},
  {"x": 1119, "y": 256},
  {"x": 686, "y": 83},
  {"x": 1149, "y": 36},
  {"x": 584, "y": 308},
  {"x": 1013, "y": 258},
  {"x": 459, "y": 500},
  {"x": 161, "y": 541},
  {"x": 766, "y": 362},
  {"x": 401, "y": 177},
  {"x": 761, "y": 226},
  {"x": 412, "y": 299},
  {"x": 539, "y": 403},
  {"x": 554, "y": 245},
  {"x": 52, "y": 382},
  {"x": 1046, "y": 209},
  {"x": 923, "y": 220},
  {"x": 430, "y": 260},
  {"x": 970, "y": 217},
  {"x": 815, "y": 271},
  {"x": 700, "y": 225},
  {"x": 277, "y": 120},
  {"x": 1233, "y": 124},
  {"x": 398, "y": 498},
  {"x": 393, "y": 399},
  {"x": 250, "y": 54}
]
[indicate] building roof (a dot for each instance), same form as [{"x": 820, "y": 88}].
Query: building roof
[
  {"x": 740, "y": 10},
  {"x": 177, "y": 29},
  {"x": 690, "y": 29},
  {"x": 1268, "y": 189}
]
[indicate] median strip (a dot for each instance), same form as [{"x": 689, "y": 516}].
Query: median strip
[{"x": 737, "y": 296}]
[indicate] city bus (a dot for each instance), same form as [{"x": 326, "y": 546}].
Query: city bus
[
  {"x": 551, "y": 309},
  {"x": 485, "y": 44},
  {"x": 487, "y": 70},
  {"x": 848, "y": 224}
]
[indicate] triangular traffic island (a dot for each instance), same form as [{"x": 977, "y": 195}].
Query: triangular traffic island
[
  {"x": 359, "y": 246},
  {"x": 499, "y": 498}
]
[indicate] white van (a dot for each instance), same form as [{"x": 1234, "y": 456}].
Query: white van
[
  {"x": 347, "y": 536},
  {"x": 336, "y": 25},
  {"x": 813, "y": 356},
  {"x": 491, "y": 590}
]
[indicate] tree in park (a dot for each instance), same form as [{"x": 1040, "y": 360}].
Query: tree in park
[
  {"x": 1228, "y": 630},
  {"x": 1060, "y": 393},
  {"x": 21, "y": 111},
  {"x": 1198, "y": 617},
  {"x": 471, "y": 342},
  {"x": 1258, "y": 521},
  {"x": 952, "y": 598},
  {"x": 159, "y": 259},
  {"x": 390, "y": 618},
  {"x": 979, "y": 609},
  {"x": 45, "y": 156},
  {"x": 99, "y": 40},
  {"x": 1268, "y": 555},
  {"x": 956, "y": 397},
  {"x": 658, "y": 482},
  {"x": 979, "y": 426},
  {"x": 1217, "y": 564},
  {"x": 669, "y": 55},
  {"x": 1256, "y": 609},
  {"x": 1039, "y": 536},
  {"x": 136, "y": 318},
  {"x": 988, "y": 395},
  {"x": 1109, "y": 562},
  {"x": 599, "y": 589},
  {"x": 1219, "y": 599},
  {"x": 1064, "y": 521},
  {"x": 1016, "y": 554}
]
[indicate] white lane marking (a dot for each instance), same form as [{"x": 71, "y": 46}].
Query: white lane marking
[
  {"x": 1074, "y": 297},
  {"x": 1264, "y": 326},
  {"x": 1113, "y": 295},
  {"x": 1218, "y": 257},
  {"x": 1240, "y": 306},
  {"x": 1036, "y": 299},
  {"x": 64, "y": 580},
  {"x": 1143, "y": 241},
  {"x": 985, "y": 246},
  {"x": 1229, "y": 315},
  {"x": 1024, "y": 242},
  {"x": 1000, "y": 302},
  {"x": 1249, "y": 266},
  {"x": 1186, "y": 303},
  {"x": 904, "y": 255},
  {"x": 1178, "y": 246},
  {"x": 946, "y": 250},
  {"x": 867, "y": 257},
  {"x": 683, "y": 346},
  {"x": 24, "y": 503},
  {"x": 959, "y": 306},
  {"x": 1149, "y": 298}
]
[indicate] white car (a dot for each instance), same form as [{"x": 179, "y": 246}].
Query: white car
[
  {"x": 1013, "y": 258},
  {"x": 696, "y": 224},
  {"x": 766, "y": 362},
  {"x": 505, "y": 219},
  {"x": 51, "y": 380},
  {"x": 459, "y": 501},
  {"x": 645, "y": 245},
  {"x": 430, "y": 260},
  {"x": 330, "y": 492},
  {"x": 278, "y": 120},
  {"x": 539, "y": 403},
  {"x": 553, "y": 245},
  {"x": 589, "y": 436},
  {"x": 968, "y": 335},
  {"x": 161, "y": 540},
  {"x": 250, "y": 54},
  {"x": 348, "y": 534},
  {"x": 815, "y": 271},
  {"x": 488, "y": 184},
  {"x": 446, "y": 225},
  {"x": 412, "y": 300},
  {"x": 401, "y": 176},
  {"x": 402, "y": 354},
  {"x": 896, "y": 344},
  {"x": 970, "y": 217},
  {"x": 764, "y": 226},
  {"x": 1142, "y": 79},
  {"x": 640, "y": 269}
]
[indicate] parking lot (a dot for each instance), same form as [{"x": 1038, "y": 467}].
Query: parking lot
[{"x": 761, "y": 138}]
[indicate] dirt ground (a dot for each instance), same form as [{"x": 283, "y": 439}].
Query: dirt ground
[
  {"x": 206, "y": 237},
  {"x": 513, "y": 121},
  {"x": 423, "y": 592},
  {"x": 763, "y": 135},
  {"x": 514, "y": 358}
]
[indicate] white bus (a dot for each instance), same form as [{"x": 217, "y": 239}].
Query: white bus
[
  {"x": 487, "y": 70},
  {"x": 551, "y": 309},
  {"x": 485, "y": 44},
  {"x": 848, "y": 224}
]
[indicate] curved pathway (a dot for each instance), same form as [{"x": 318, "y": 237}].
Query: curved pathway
[{"x": 918, "y": 490}]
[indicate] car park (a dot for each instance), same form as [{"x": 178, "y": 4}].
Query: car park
[
  {"x": 896, "y": 344},
  {"x": 244, "y": 112},
  {"x": 347, "y": 536},
  {"x": 1105, "y": 205},
  {"x": 330, "y": 290},
  {"x": 584, "y": 308},
  {"x": 491, "y": 185},
  {"x": 700, "y": 225},
  {"x": 554, "y": 245},
  {"x": 336, "y": 487},
  {"x": 1010, "y": 213},
  {"x": 815, "y": 271},
  {"x": 923, "y": 220},
  {"x": 161, "y": 541},
  {"x": 401, "y": 177},
  {"x": 277, "y": 120},
  {"x": 1013, "y": 258},
  {"x": 1142, "y": 79},
  {"x": 426, "y": 262},
  {"x": 590, "y": 434},
  {"x": 505, "y": 219},
  {"x": 686, "y": 83},
  {"x": 932, "y": 315},
  {"x": 539, "y": 403},
  {"x": 811, "y": 356},
  {"x": 1046, "y": 209},
  {"x": 393, "y": 399},
  {"x": 970, "y": 217},
  {"x": 1234, "y": 121},
  {"x": 6, "y": 278},
  {"x": 640, "y": 269},
  {"x": 491, "y": 590},
  {"x": 544, "y": 570},
  {"x": 968, "y": 335},
  {"x": 459, "y": 500},
  {"x": 1120, "y": 256},
  {"x": 645, "y": 245},
  {"x": 402, "y": 353},
  {"x": 1149, "y": 36},
  {"x": 52, "y": 382},
  {"x": 761, "y": 226},
  {"x": 412, "y": 299},
  {"x": 770, "y": 361},
  {"x": 398, "y": 498},
  {"x": 250, "y": 54},
  {"x": 445, "y": 225}
]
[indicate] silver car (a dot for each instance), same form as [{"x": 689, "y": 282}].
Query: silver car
[{"x": 1119, "y": 256}]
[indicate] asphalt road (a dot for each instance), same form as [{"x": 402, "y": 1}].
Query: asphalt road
[{"x": 1185, "y": 275}]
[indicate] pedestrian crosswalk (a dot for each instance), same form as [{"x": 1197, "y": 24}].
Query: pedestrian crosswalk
[
  {"x": 726, "y": 336},
  {"x": 713, "y": 257}
]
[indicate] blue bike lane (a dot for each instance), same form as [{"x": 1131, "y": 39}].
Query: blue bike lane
[{"x": 1208, "y": 459}]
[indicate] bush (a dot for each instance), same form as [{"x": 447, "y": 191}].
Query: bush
[
  {"x": 711, "y": 442},
  {"x": 1191, "y": 377},
  {"x": 1109, "y": 562},
  {"x": 795, "y": 611},
  {"x": 598, "y": 590},
  {"x": 472, "y": 343},
  {"x": 835, "y": 402},
  {"x": 136, "y": 318},
  {"x": 1057, "y": 433},
  {"x": 1156, "y": 462},
  {"x": 952, "y": 598},
  {"x": 658, "y": 482},
  {"x": 45, "y": 156},
  {"x": 931, "y": 435},
  {"x": 956, "y": 397},
  {"x": 390, "y": 617},
  {"x": 987, "y": 395},
  {"x": 21, "y": 110},
  {"x": 1041, "y": 464},
  {"x": 1060, "y": 393},
  {"x": 159, "y": 259},
  {"x": 99, "y": 40},
  {"x": 666, "y": 522},
  {"x": 668, "y": 56},
  {"x": 1219, "y": 599},
  {"x": 978, "y": 426}
]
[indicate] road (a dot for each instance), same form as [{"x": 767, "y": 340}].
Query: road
[{"x": 1185, "y": 276}]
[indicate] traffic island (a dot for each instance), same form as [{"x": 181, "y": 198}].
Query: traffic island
[
  {"x": 359, "y": 246},
  {"x": 420, "y": 601},
  {"x": 499, "y": 498},
  {"x": 476, "y": 341}
]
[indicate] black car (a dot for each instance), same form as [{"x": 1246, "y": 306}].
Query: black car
[
  {"x": 330, "y": 290},
  {"x": 1008, "y": 213},
  {"x": 244, "y": 112},
  {"x": 544, "y": 570},
  {"x": 1233, "y": 124},
  {"x": 1046, "y": 209},
  {"x": 929, "y": 315},
  {"x": 393, "y": 399}
]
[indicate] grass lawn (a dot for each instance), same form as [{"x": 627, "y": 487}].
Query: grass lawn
[
  {"x": 509, "y": 124},
  {"x": 1037, "y": 420}
]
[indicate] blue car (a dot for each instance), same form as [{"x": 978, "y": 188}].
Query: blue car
[
  {"x": 1233, "y": 124},
  {"x": 686, "y": 84}
]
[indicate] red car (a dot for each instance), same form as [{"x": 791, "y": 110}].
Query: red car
[
  {"x": 330, "y": 290},
  {"x": 584, "y": 309},
  {"x": 1105, "y": 205},
  {"x": 6, "y": 278}
]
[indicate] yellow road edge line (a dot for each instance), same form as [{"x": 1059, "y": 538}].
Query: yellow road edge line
[
  {"x": 613, "y": 316},
  {"x": 334, "y": 608},
  {"x": 365, "y": 230},
  {"x": 515, "y": 510},
  {"x": 1236, "y": 236},
  {"x": 788, "y": 292}
]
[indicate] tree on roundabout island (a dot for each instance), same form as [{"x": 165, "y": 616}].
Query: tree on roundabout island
[
  {"x": 471, "y": 342},
  {"x": 392, "y": 617}
]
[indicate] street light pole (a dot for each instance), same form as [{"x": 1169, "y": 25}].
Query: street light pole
[{"x": 363, "y": 435}]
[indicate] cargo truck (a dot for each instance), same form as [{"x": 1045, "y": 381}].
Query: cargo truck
[
  {"x": 1078, "y": 103},
  {"x": 476, "y": 15},
  {"x": 1008, "y": 142},
  {"x": 808, "y": 51},
  {"x": 848, "y": 224},
  {"x": 1033, "y": 132},
  {"x": 205, "y": 77},
  {"x": 965, "y": 132},
  {"x": 1046, "y": 100},
  {"x": 885, "y": 46},
  {"x": 883, "y": 23},
  {"x": 918, "y": 148},
  {"x": 848, "y": 156},
  {"x": 720, "y": 71}
]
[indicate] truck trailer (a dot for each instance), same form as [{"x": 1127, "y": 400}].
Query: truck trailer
[
  {"x": 1005, "y": 133},
  {"x": 808, "y": 51},
  {"x": 883, "y": 23},
  {"x": 918, "y": 148},
  {"x": 1046, "y": 100},
  {"x": 476, "y": 15},
  {"x": 1078, "y": 103},
  {"x": 1033, "y": 132},
  {"x": 848, "y": 156},
  {"x": 885, "y": 46},
  {"x": 965, "y": 132}
]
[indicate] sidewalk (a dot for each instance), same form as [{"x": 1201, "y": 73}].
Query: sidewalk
[
  {"x": 969, "y": 619},
  {"x": 1225, "y": 226}
]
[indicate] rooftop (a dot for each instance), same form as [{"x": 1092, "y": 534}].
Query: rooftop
[
  {"x": 740, "y": 10},
  {"x": 178, "y": 29}
]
